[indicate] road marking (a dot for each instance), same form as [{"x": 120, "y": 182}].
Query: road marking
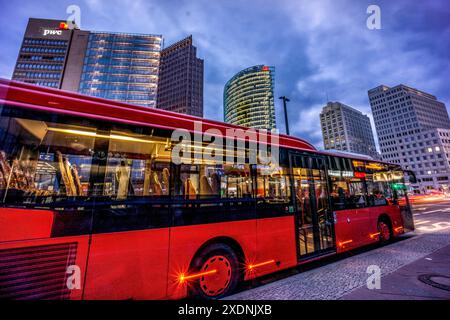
[
  {"x": 432, "y": 211},
  {"x": 445, "y": 211},
  {"x": 421, "y": 222},
  {"x": 435, "y": 227}
]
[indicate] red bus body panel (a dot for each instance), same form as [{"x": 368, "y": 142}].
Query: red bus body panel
[
  {"x": 128, "y": 265},
  {"x": 25, "y": 224},
  {"x": 358, "y": 227}
]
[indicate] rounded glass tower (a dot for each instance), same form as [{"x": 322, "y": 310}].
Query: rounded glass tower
[{"x": 248, "y": 98}]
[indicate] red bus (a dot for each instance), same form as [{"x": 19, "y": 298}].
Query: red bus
[{"x": 93, "y": 207}]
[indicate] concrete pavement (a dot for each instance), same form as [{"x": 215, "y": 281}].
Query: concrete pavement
[{"x": 406, "y": 283}]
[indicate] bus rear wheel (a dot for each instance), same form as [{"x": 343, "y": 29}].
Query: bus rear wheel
[
  {"x": 219, "y": 267},
  {"x": 385, "y": 232}
]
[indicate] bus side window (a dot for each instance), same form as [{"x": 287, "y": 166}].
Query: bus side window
[
  {"x": 348, "y": 192},
  {"x": 273, "y": 184},
  {"x": 138, "y": 165},
  {"x": 376, "y": 191},
  {"x": 43, "y": 159}
]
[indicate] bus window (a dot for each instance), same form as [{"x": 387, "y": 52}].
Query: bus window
[
  {"x": 347, "y": 191},
  {"x": 273, "y": 184},
  {"x": 390, "y": 185},
  {"x": 138, "y": 165},
  {"x": 43, "y": 159},
  {"x": 214, "y": 181},
  {"x": 377, "y": 190},
  {"x": 236, "y": 182}
]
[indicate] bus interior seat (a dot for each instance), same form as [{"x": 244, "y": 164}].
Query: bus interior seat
[
  {"x": 157, "y": 185},
  {"x": 189, "y": 189},
  {"x": 205, "y": 187}
]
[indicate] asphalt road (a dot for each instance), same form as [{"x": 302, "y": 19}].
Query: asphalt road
[
  {"x": 431, "y": 217},
  {"x": 340, "y": 277}
]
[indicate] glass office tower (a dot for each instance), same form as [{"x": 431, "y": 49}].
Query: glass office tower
[
  {"x": 122, "y": 67},
  {"x": 248, "y": 98}
]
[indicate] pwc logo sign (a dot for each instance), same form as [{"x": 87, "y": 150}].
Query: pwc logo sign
[
  {"x": 56, "y": 32},
  {"x": 50, "y": 32}
]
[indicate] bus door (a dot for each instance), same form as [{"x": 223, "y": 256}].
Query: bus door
[{"x": 315, "y": 228}]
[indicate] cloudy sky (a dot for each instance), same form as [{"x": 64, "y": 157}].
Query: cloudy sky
[{"x": 321, "y": 49}]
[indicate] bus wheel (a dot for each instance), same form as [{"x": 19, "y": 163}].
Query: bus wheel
[
  {"x": 220, "y": 268},
  {"x": 385, "y": 232}
]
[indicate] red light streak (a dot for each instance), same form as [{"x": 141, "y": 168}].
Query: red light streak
[
  {"x": 253, "y": 266},
  {"x": 184, "y": 278},
  {"x": 341, "y": 244},
  {"x": 373, "y": 235}
]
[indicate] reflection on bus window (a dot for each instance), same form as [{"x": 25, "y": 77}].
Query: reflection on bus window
[
  {"x": 347, "y": 190},
  {"x": 273, "y": 184},
  {"x": 138, "y": 165},
  {"x": 213, "y": 181},
  {"x": 43, "y": 159}
]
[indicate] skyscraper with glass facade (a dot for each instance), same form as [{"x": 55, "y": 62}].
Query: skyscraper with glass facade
[
  {"x": 248, "y": 98},
  {"x": 123, "y": 67}
]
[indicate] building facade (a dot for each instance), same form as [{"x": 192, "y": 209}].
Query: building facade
[
  {"x": 248, "y": 98},
  {"x": 122, "y": 67},
  {"x": 117, "y": 66},
  {"x": 43, "y": 53},
  {"x": 347, "y": 129},
  {"x": 180, "y": 85},
  {"x": 412, "y": 128}
]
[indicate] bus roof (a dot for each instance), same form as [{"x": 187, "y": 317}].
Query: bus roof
[{"x": 55, "y": 100}]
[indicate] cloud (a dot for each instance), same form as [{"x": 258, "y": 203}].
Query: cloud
[
  {"x": 321, "y": 49},
  {"x": 308, "y": 124}
]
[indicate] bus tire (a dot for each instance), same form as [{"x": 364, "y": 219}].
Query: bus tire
[
  {"x": 220, "y": 265},
  {"x": 385, "y": 230}
]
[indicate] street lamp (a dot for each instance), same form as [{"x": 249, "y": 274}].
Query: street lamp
[{"x": 285, "y": 99}]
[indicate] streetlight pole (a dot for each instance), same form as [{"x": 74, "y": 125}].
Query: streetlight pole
[{"x": 285, "y": 100}]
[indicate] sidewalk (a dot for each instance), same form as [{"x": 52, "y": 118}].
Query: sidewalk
[{"x": 404, "y": 283}]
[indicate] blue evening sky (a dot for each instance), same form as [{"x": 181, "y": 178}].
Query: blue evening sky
[{"x": 320, "y": 48}]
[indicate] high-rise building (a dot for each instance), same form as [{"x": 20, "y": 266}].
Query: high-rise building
[
  {"x": 117, "y": 66},
  {"x": 180, "y": 86},
  {"x": 123, "y": 67},
  {"x": 413, "y": 128},
  {"x": 347, "y": 129},
  {"x": 248, "y": 98},
  {"x": 43, "y": 53}
]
